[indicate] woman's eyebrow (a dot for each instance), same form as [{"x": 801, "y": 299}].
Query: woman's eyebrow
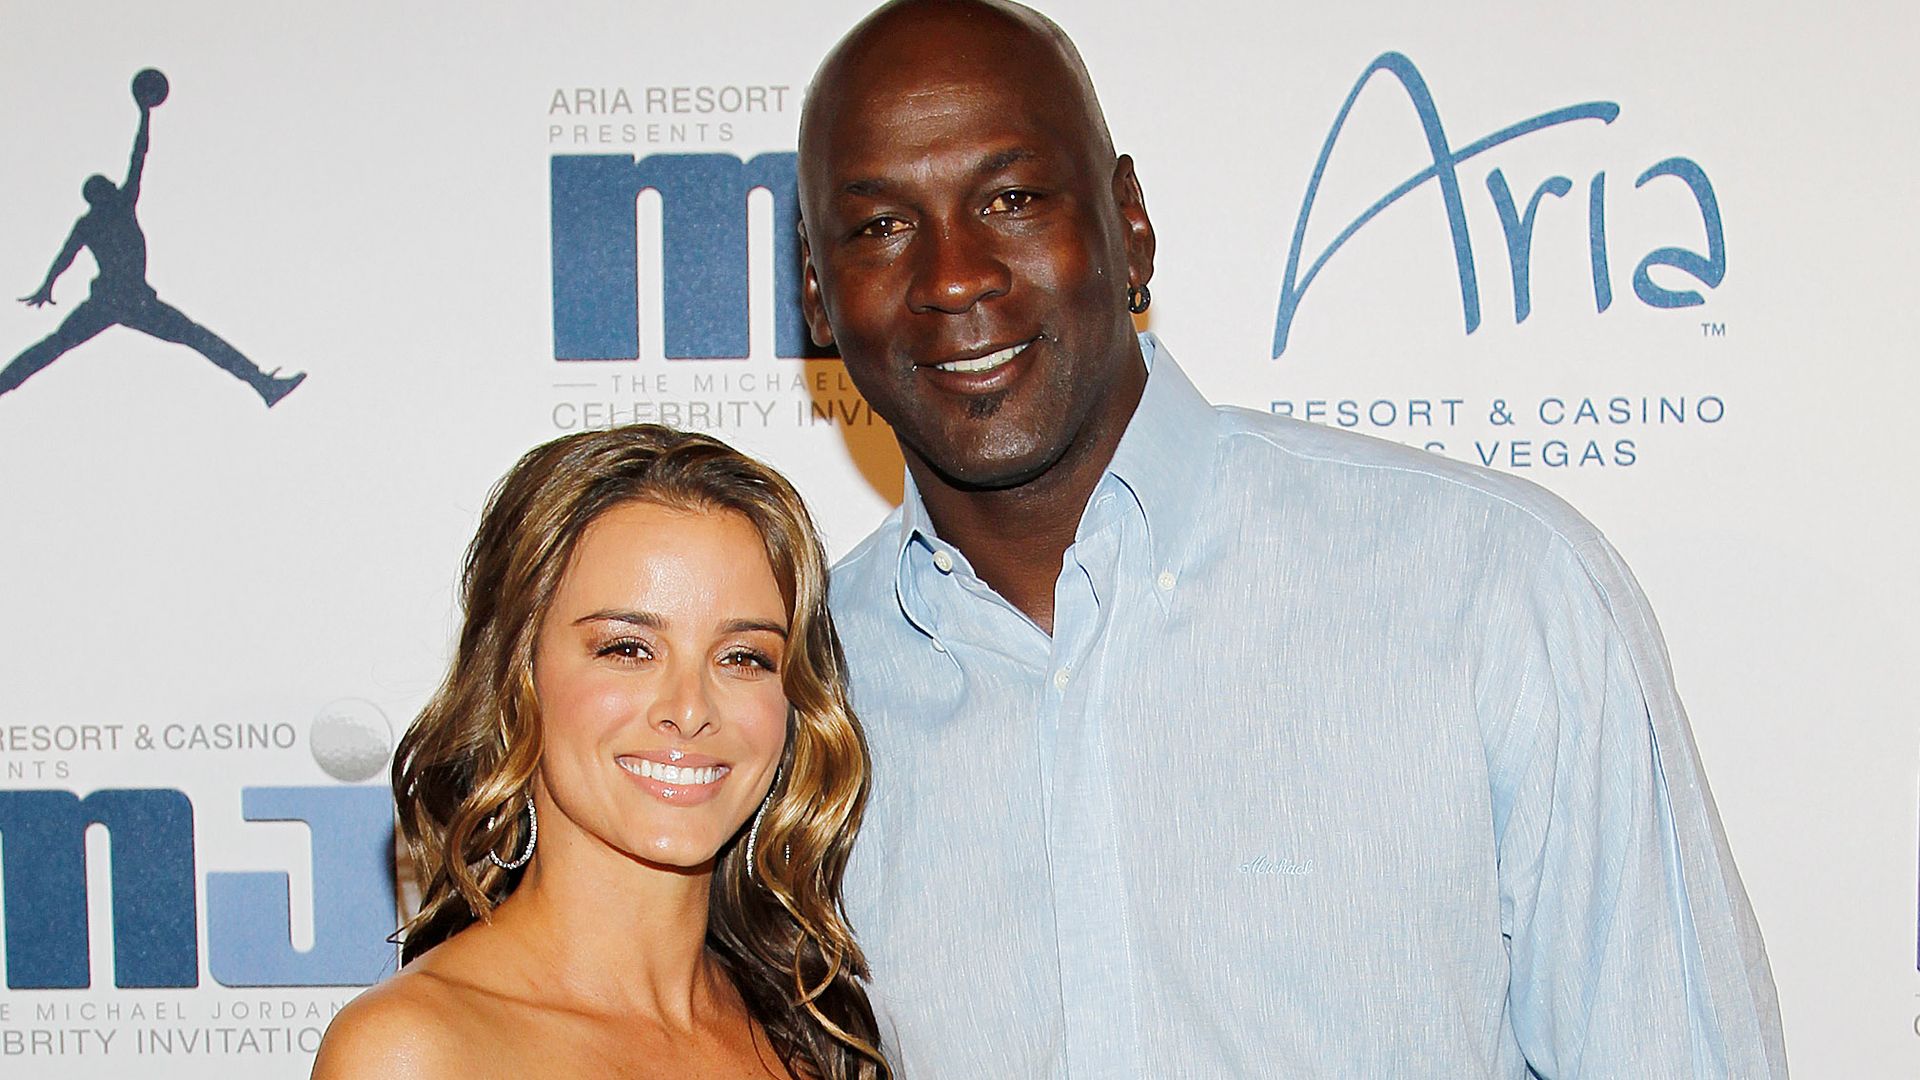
[{"x": 637, "y": 618}]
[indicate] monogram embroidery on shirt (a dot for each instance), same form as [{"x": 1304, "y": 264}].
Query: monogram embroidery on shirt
[{"x": 1262, "y": 865}]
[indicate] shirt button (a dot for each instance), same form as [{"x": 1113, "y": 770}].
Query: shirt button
[
  {"x": 1166, "y": 581},
  {"x": 1061, "y": 678},
  {"x": 943, "y": 562}
]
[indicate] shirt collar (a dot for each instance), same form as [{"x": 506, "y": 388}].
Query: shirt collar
[
  {"x": 1163, "y": 459},
  {"x": 1166, "y": 454}
]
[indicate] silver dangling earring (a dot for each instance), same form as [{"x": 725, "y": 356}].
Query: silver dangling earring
[
  {"x": 1138, "y": 298},
  {"x": 533, "y": 835},
  {"x": 753, "y": 831}
]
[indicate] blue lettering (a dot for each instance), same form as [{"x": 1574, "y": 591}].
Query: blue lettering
[
  {"x": 44, "y": 866},
  {"x": 1518, "y": 229},
  {"x": 1517, "y": 225},
  {"x": 1597, "y": 242},
  {"x": 704, "y": 263},
  {"x": 249, "y": 939},
  {"x": 1443, "y": 170},
  {"x": 1711, "y": 268}
]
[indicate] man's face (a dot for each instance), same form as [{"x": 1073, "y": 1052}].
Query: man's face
[{"x": 970, "y": 243}]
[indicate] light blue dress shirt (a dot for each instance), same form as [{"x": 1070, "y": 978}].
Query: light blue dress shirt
[{"x": 1343, "y": 759}]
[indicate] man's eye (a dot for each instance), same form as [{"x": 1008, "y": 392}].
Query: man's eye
[
  {"x": 881, "y": 227},
  {"x": 1008, "y": 202}
]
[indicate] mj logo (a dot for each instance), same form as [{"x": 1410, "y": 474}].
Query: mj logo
[
  {"x": 249, "y": 939},
  {"x": 120, "y": 296},
  {"x": 703, "y": 253},
  {"x": 1515, "y": 223}
]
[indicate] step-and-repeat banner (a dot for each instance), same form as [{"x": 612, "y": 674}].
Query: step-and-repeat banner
[{"x": 278, "y": 338}]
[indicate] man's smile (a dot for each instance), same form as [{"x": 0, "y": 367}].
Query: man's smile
[{"x": 987, "y": 362}]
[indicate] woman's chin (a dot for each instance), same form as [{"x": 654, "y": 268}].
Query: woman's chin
[{"x": 677, "y": 855}]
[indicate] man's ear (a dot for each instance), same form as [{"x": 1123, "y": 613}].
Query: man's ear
[
  {"x": 811, "y": 305},
  {"x": 1133, "y": 214}
]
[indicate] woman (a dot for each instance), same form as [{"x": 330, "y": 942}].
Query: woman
[{"x": 633, "y": 797}]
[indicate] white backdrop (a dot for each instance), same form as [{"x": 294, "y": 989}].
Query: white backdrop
[{"x": 245, "y": 605}]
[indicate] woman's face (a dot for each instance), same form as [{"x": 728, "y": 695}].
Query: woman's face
[{"x": 658, "y": 673}]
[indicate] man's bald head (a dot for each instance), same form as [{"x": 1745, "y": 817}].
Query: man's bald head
[
  {"x": 910, "y": 41},
  {"x": 971, "y": 243}
]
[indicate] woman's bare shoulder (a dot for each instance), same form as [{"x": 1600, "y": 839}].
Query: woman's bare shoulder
[{"x": 407, "y": 1028}]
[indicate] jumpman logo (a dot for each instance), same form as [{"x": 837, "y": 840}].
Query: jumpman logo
[{"x": 120, "y": 296}]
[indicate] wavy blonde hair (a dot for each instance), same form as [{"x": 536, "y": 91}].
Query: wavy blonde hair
[{"x": 461, "y": 772}]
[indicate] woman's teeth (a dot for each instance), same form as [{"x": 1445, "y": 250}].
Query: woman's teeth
[{"x": 683, "y": 775}]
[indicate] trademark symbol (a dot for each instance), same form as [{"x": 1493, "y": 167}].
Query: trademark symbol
[{"x": 1713, "y": 329}]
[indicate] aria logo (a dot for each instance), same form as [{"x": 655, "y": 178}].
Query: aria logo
[
  {"x": 1516, "y": 225},
  {"x": 120, "y": 296}
]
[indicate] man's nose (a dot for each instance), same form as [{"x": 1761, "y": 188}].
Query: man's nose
[
  {"x": 954, "y": 269},
  {"x": 684, "y": 704}
]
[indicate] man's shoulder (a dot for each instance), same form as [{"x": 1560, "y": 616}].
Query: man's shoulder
[
  {"x": 866, "y": 571},
  {"x": 1310, "y": 460}
]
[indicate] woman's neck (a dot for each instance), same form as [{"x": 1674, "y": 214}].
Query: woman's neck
[{"x": 613, "y": 934}]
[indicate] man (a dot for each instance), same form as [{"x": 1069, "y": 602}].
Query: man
[
  {"x": 120, "y": 296},
  {"x": 1208, "y": 743}
]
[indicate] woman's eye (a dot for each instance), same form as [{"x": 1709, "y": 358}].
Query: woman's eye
[
  {"x": 748, "y": 658},
  {"x": 625, "y": 649},
  {"x": 1011, "y": 202}
]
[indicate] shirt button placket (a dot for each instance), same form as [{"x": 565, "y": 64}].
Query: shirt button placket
[{"x": 1089, "y": 909}]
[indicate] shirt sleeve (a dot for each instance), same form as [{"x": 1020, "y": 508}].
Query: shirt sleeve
[{"x": 1633, "y": 949}]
